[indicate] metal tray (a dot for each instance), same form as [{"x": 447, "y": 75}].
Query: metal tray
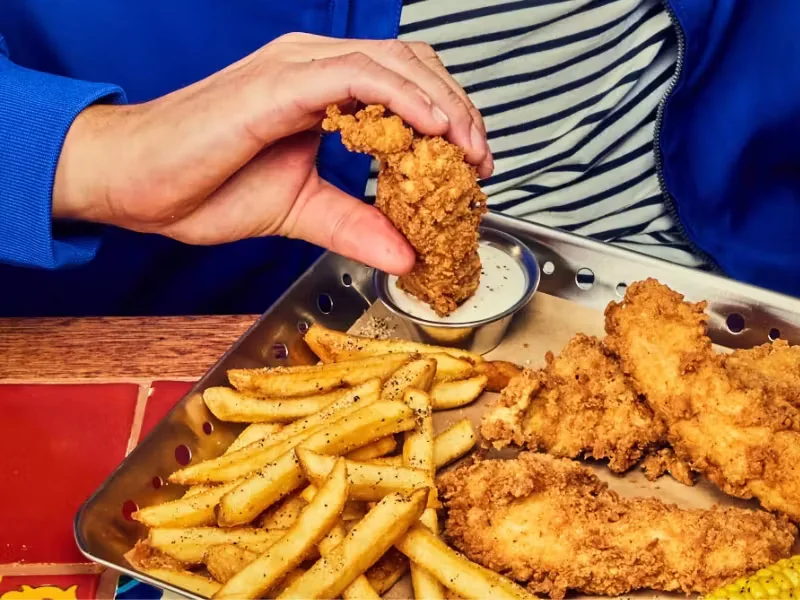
[{"x": 336, "y": 292}]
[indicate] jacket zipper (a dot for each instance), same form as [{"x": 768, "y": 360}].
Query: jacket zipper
[{"x": 669, "y": 201}]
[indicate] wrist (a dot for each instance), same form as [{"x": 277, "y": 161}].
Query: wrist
[{"x": 81, "y": 179}]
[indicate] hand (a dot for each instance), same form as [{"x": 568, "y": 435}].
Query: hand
[{"x": 233, "y": 156}]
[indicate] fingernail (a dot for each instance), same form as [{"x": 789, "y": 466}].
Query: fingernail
[
  {"x": 478, "y": 140},
  {"x": 438, "y": 115}
]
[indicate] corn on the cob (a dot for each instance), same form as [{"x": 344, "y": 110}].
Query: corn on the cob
[{"x": 780, "y": 581}]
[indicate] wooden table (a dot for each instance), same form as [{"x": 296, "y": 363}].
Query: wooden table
[{"x": 76, "y": 395}]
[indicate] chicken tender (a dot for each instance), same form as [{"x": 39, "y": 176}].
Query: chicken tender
[
  {"x": 744, "y": 439},
  {"x": 551, "y": 523},
  {"x": 773, "y": 368},
  {"x": 431, "y": 195},
  {"x": 580, "y": 404}
]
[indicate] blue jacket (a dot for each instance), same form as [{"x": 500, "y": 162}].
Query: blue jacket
[{"x": 729, "y": 149}]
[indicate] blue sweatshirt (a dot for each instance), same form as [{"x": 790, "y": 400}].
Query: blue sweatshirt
[{"x": 728, "y": 147}]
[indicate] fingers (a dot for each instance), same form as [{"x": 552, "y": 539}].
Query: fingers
[
  {"x": 334, "y": 220},
  {"x": 307, "y": 89}
]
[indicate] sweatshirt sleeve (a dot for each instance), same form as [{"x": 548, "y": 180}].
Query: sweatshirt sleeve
[{"x": 36, "y": 110}]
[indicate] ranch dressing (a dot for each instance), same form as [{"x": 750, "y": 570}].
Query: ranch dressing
[{"x": 502, "y": 285}]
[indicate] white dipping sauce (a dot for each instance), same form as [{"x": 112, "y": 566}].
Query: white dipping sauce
[{"x": 502, "y": 285}]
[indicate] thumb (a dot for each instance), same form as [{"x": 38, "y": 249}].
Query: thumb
[{"x": 334, "y": 220}]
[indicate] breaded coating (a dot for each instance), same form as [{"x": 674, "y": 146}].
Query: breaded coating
[
  {"x": 551, "y": 523},
  {"x": 431, "y": 195},
  {"x": 664, "y": 460},
  {"x": 744, "y": 439},
  {"x": 580, "y": 404},
  {"x": 773, "y": 368}
]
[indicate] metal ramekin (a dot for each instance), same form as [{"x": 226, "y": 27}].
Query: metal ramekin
[{"x": 476, "y": 336}]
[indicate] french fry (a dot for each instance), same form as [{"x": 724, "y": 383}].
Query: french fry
[
  {"x": 290, "y": 382},
  {"x": 417, "y": 374},
  {"x": 360, "y": 588},
  {"x": 253, "y": 433},
  {"x": 284, "y": 514},
  {"x": 198, "y": 489},
  {"x": 186, "y": 580},
  {"x": 249, "y": 459},
  {"x": 353, "y": 511},
  {"x": 287, "y": 553},
  {"x": 236, "y": 407},
  {"x": 287, "y": 581},
  {"x": 454, "y": 394},
  {"x": 268, "y": 485},
  {"x": 250, "y": 497},
  {"x": 333, "y": 346},
  {"x": 418, "y": 453},
  {"x": 449, "y": 368},
  {"x": 454, "y": 442},
  {"x": 223, "y": 561},
  {"x": 189, "y": 545},
  {"x": 387, "y": 571},
  {"x": 375, "y": 449},
  {"x": 361, "y": 548},
  {"x": 195, "y": 511},
  {"x": 367, "y": 481},
  {"x": 455, "y": 571},
  {"x": 499, "y": 373}
]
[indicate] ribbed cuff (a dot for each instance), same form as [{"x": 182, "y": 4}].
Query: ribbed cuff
[{"x": 36, "y": 111}]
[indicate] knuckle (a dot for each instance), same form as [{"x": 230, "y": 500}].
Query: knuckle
[
  {"x": 399, "y": 49},
  {"x": 425, "y": 51}
]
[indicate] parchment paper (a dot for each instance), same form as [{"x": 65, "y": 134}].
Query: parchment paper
[{"x": 548, "y": 323}]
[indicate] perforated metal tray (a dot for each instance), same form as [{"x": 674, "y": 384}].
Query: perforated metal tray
[{"x": 336, "y": 292}]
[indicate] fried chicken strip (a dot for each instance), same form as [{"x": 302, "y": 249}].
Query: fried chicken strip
[
  {"x": 580, "y": 404},
  {"x": 773, "y": 368},
  {"x": 745, "y": 440},
  {"x": 552, "y": 524},
  {"x": 430, "y": 194}
]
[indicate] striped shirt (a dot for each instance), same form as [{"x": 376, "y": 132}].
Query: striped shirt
[{"x": 569, "y": 91}]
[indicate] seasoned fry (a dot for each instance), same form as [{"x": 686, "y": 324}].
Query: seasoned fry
[
  {"x": 363, "y": 546},
  {"x": 368, "y": 482},
  {"x": 424, "y": 583},
  {"x": 199, "y": 489},
  {"x": 283, "y": 515},
  {"x": 236, "y": 407},
  {"x": 290, "y": 382},
  {"x": 499, "y": 373},
  {"x": 456, "y": 572},
  {"x": 451, "y": 369},
  {"x": 195, "y": 511},
  {"x": 360, "y": 588},
  {"x": 418, "y": 374},
  {"x": 241, "y": 463},
  {"x": 376, "y": 449},
  {"x": 189, "y": 545},
  {"x": 186, "y": 580},
  {"x": 453, "y": 443},
  {"x": 387, "y": 571},
  {"x": 334, "y": 346},
  {"x": 268, "y": 485},
  {"x": 253, "y": 433},
  {"x": 313, "y": 524},
  {"x": 454, "y": 394},
  {"x": 223, "y": 561}
]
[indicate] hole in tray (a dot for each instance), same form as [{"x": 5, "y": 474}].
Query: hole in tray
[
  {"x": 208, "y": 428},
  {"x": 621, "y": 289},
  {"x": 280, "y": 351},
  {"x": 774, "y": 334},
  {"x": 302, "y": 326},
  {"x": 735, "y": 323},
  {"x": 157, "y": 482},
  {"x": 584, "y": 278},
  {"x": 128, "y": 508},
  {"x": 548, "y": 268},
  {"x": 347, "y": 281},
  {"x": 325, "y": 303},
  {"x": 183, "y": 455}
]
